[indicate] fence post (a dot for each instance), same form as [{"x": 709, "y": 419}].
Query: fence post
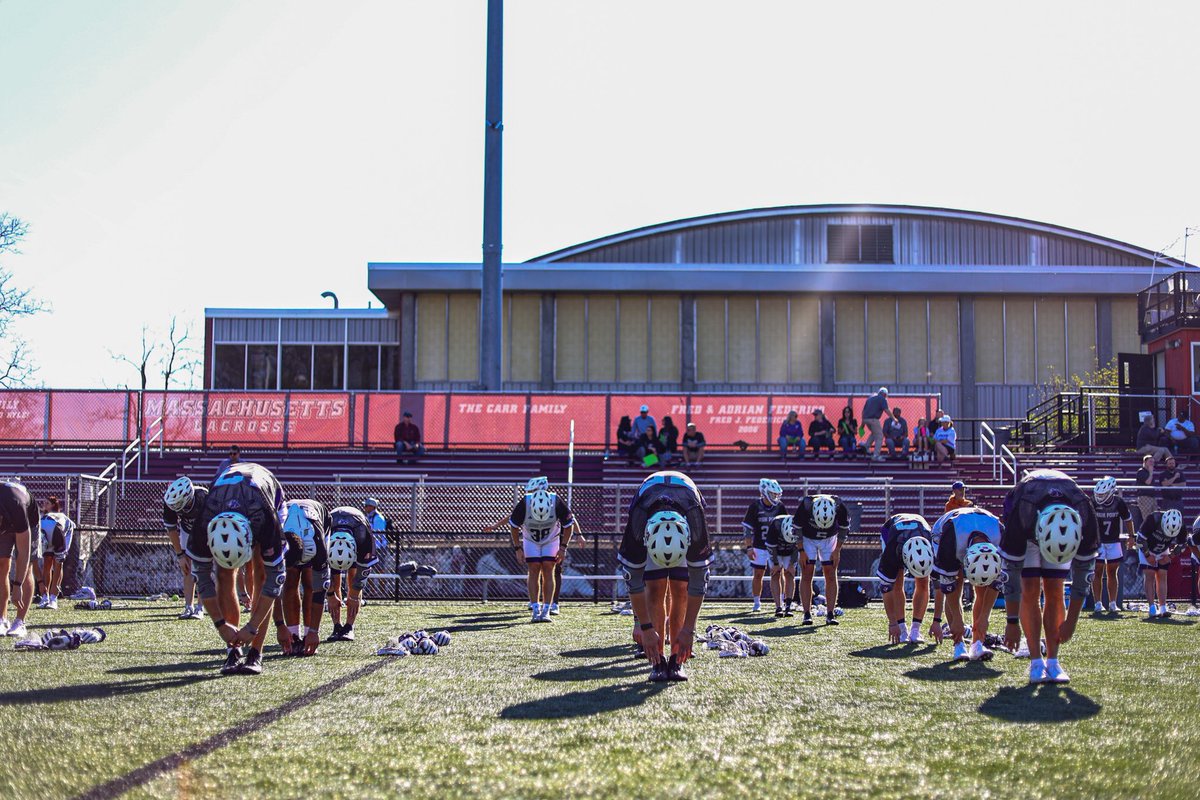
[
  {"x": 46, "y": 422},
  {"x": 67, "y": 495},
  {"x": 366, "y": 432},
  {"x": 412, "y": 507},
  {"x": 204, "y": 424},
  {"x": 921, "y": 500},
  {"x": 887, "y": 497},
  {"x": 287, "y": 417},
  {"x": 337, "y": 490},
  {"x": 720, "y": 499}
]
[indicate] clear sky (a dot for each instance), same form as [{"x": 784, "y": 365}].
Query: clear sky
[{"x": 170, "y": 156}]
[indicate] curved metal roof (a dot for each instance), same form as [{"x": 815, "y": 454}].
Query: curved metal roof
[{"x": 1116, "y": 253}]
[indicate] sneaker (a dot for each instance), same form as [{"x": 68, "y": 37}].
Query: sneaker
[
  {"x": 252, "y": 665},
  {"x": 554, "y": 609},
  {"x": 778, "y": 611},
  {"x": 787, "y": 611},
  {"x": 545, "y": 617},
  {"x": 348, "y": 633},
  {"x": 914, "y": 634},
  {"x": 1099, "y": 607},
  {"x": 1037, "y": 671},
  {"x": 186, "y": 613},
  {"x": 1153, "y": 611},
  {"x": 1022, "y": 650},
  {"x": 233, "y": 660},
  {"x": 675, "y": 671},
  {"x": 197, "y": 612},
  {"x": 903, "y": 634},
  {"x": 960, "y": 651},
  {"x": 1112, "y": 607},
  {"x": 757, "y": 605},
  {"x": 18, "y": 629},
  {"x": 42, "y": 601},
  {"x": 1055, "y": 673},
  {"x": 831, "y": 620},
  {"x": 536, "y": 615},
  {"x": 658, "y": 673},
  {"x": 52, "y": 604},
  {"x": 979, "y": 652},
  {"x": 336, "y": 634},
  {"x": 1165, "y": 612},
  {"x": 807, "y": 619}
]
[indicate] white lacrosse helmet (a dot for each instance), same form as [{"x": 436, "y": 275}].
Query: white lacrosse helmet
[
  {"x": 1104, "y": 489},
  {"x": 299, "y": 525},
  {"x": 1059, "y": 533},
  {"x": 787, "y": 528},
  {"x": 230, "y": 540},
  {"x": 1172, "y": 522},
  {"x": 667, "y": 539},
  {"x": 770, "y": 491},
  {"x": 917, "y": 554},
  {"x": 538, "y": 484},
  {"x": 983, "y": 565},
  {"x": 824, "y": 511},
  {"x": 343, "y": 550},
  {"x": 179, "y": 494},
  {"x": 540, "y": 506}
]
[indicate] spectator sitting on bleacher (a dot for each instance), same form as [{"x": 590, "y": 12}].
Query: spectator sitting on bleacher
[
  {"x": 922, "y": 442},
  {"x": 693, "y": 446},
  {"x": 820, "y": 433},
  {"x": 895, "y": 433},
  {"x": 848, "y": 433},
  {"x": 875, "y": 407},
  {"x": 1150, "y": 439},
  {"x": 1183, "y": 433},
  {"x": 1170, "y": 479},
  {"x": 958, "y": 497},
  {"x": 791, "y": 434},
  {"x": 235, "y": 457},
  {"x": 407, "y": 437},
  {"x": 645, "y": 432},
  {"x": 626, "y": 441},
  {"x": 945, "y": 439},
  {"x": 668, "y": 440},
  {"x": 1147, "y": 496}
]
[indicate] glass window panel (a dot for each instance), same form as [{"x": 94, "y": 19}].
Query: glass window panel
[
  {"x": 849, "y": 321},
  {"x": 568, "y": 337},
  {"x": 742, "y": 333},
  {"x": 602, "y": 338},
  {"x": 710, "y": 339},
  {"x": 362, "y": 367},
  {"x": 431, "y": 337},
  {"x": 772, "y": 337},
  {"x": 635, "y": 328},
  {"x": 1081, "y": 336},
  {"x": 327, "y": 366},
  {"x": 989, "y": 340},
  {"x": 463, "y": 346},
  {"x": 665, "y": 361},
  {"x": 523, "y": 337},
  {"x": 296, "y": 368},
  {"x": 229, "y": 366},
  {"x": 944, "y": 366},
  {"x": 1051, "y": 339},
  {"x": 261, "y": 366},
  {"x": 881, "y": 340},
  {"x": 806, "y": 339},
  {"x": 912, "y": 351},
  {"x": 1018, "y": 337},
  {"x": 389, "y": 367}
]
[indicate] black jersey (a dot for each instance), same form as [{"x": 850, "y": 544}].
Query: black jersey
[
  {"x": 1152, "y": 538},
  {"x": 758, "y": 518},
  {"x": 896, "y": 532},
  {"x": 312, "y": 553},
  {"x": 803, "y": 520},
  {"x": 18, "y": 512},
  {"x": 774, "y": 538},
  {"x": 185, "y": 520},
  {"x": 665, "y": 491},
  {"x": 1111, "y": 517},
  {"x": 252, "y": 491},
  {"x": 349, "y": 518},
  {"x": 1025, "y": 501}
]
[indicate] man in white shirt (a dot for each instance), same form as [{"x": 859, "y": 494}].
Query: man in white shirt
[{"x": 1183, "y": 434}]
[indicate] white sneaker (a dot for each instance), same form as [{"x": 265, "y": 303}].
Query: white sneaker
[
  {"x": 41, "y": 603},
  {"x": 1099, "y": 607},
  {"x": 979, "y": 652},
  {"x": 554, "y": 609},
  {"x": 17, "y": 629},
  {"x": 757, "y": 605},
  {"x": 1055, "y": 673},
  {"x": 914, "y": 633},
  {"x": 960, "y": 652},
  {"x": 186, "y": 613},
  {"x": 1037, "y": 671},
  {"x": 3, "y": 627},
  {"x": 537, "y": 612},
  {"x": 197, "y": 612},
  {"x": 1153, "y": 611},
  {"x": 52, "y": 604},
  {"x": 903, "y": 634},
  {"x": 1112, "y": 606},
  {"x": 1022, "y": 651}
]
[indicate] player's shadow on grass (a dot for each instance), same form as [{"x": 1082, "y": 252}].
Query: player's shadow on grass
[
  {"x": 891, "y": 652},
  {"x": 1168, "y": 621},
  {"x": 595, "y": 671},
  {"x": 585, "y": 703},
  {"x": 98, "y": 691},
  {"x": 608, "y": 651},
  {"x": 167, "y": 669},
  {"x": 1039, "y": 703},
  {"x": 955, "y": 671},
  {"x": 786, "y": 630},
  {"x": 479, "y": 618}
]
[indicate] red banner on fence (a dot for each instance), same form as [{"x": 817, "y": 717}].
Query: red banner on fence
[{"x": 22, "y": 416}]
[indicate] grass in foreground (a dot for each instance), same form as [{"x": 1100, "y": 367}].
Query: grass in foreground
[{"x": 563, "y": 710}]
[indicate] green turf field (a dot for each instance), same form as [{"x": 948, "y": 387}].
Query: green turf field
[{"x": 562, "y": 710}]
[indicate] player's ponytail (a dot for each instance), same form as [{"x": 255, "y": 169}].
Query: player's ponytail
[{"x": 52, "y": 501}]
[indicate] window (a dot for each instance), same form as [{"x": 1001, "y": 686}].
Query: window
[
  {"x": 229, "y": 366},
  {"x": 327, "y": 367},
  {"x": 859, "y": 244},
  {"x": 295, "y": 371},
  {"x": 389, "y": 367},
  {"x": 261, "y": 366},
  {"x": 362, "y": 367}
]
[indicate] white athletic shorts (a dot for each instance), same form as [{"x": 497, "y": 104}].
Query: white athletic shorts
[
  {"x": 1152, "y": 561},
  {"x": 1036, "y": 567},
  {"x": 758, "y": 557},
  {"x": 1111, "y": 551},
  {"x": 784, "y": 562},
  {"x": 820, "y": 549},
  {"x": 540, "y": 551}
]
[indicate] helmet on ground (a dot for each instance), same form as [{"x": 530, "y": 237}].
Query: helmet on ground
[
  {"x": 824, "y": 511},
  {"x": 537, "y": 484},
  {"x": 770, "y": 491},
  {"x": 787, "y": 528},
  {"x": 299, "y": 525},
  {"x": 343, "y": 550},
  {"x": 441, "y": 638},
  {"x": 983, "y": 565},
  {"x": 1172, "y": 522},
  {"x": 230, "y": 540},
  {"x": 540, "y": 506},
  {"x": 1104, "y": 489},
  {"x": 179, "y": 494},
  {"x": 667, "y": 539},
  {"x": 1059, "y": 533},
  {"x": 917, "y": 555}
]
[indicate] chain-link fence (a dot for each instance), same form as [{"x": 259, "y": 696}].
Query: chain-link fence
[{"x": 122, "y": 550}]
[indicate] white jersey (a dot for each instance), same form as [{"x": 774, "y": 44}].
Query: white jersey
[
  {"x": 538, "y": 531},
  {"x": 956, "y": 530}
]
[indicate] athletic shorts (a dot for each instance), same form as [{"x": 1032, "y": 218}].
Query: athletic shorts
[
  {"x": 1111, "y": 551},
  {"x": 758, "y": 557},
  {"x": 1037, "y": 567},
  {"x": 674, "y": 574},
  {"x": 784, "y": 560},
  {"x": 820, "y": 549},
  {"x": 1152, "y": 561},
  {"x": 540, "y": 551},
  {"x": 58, "y": 545}
]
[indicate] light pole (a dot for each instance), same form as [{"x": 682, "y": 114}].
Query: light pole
[{"x": 490, "y": 298}]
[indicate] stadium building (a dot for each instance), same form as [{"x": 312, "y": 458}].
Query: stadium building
[{"x": 978, "y": 307}]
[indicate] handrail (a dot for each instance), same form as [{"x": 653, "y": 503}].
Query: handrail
[
  {"x": 987, "y": 439},
  {"x": 1010, "y": 464},
  {"x": 136, "y": 447}
]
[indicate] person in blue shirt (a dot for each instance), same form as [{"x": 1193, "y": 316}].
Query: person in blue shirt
[{"x": 791, "y": 434}]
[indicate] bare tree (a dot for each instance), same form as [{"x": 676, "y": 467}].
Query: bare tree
[
  {"x": 16, "y": 366},
  {"x": 141, "y": 363},
  {"x": 179, "y": 356}
]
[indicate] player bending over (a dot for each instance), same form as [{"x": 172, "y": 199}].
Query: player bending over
[
  {"x": 1050, "y": 534},
  {"x": 18, "y": 521},
  {"x": 781, "y": 542},
  {"x": 541, "y": 526},
  {"x": 241, "y": 523},
  {"x": 57, "y": 531},
  {"x": 299, "y": 609},
  {"x": 821, "y": 518},
  {"x": 1112, "y": 515},
  {"x": 351, "y": 556},
  {"x": 182, "y": 504},
  {"x": 759, "y": 514},
  {"x": 907, "y": 546},
  {"x": 1159, "y": 539},
  {"x": 969, "y": 545},
  {"x": 666, "y": 542}
]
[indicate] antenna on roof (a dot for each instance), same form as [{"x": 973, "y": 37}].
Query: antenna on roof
[{"x": 332, "y": 297}]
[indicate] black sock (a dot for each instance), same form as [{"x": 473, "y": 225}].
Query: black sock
[
  {"x": 917, "y": 621},
  {"x": 253, "y": 655}
]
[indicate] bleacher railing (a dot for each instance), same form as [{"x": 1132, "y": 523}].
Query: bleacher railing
[{"x": 475, "y": 421}]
